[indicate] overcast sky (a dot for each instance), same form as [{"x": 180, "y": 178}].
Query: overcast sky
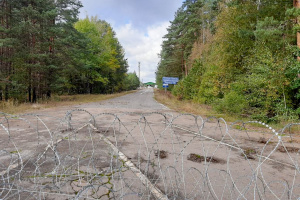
[{"x": 139, "y": 25}]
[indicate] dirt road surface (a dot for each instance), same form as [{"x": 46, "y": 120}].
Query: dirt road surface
[{"x": 132, "y": 147}]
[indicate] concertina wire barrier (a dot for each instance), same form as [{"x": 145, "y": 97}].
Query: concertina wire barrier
[{"x": 146, "y": 156}]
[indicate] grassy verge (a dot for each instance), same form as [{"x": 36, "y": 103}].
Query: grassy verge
[
  {"x": 12, "y": 107},
  {"x": 185, "y": 106}
]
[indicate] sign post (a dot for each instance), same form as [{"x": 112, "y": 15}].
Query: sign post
[
  {"x": 165, "y": 86},
  {"x": 169, "y": 80}
]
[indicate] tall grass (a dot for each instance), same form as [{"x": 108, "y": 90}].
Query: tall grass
[{"x": 185, "y": 106}]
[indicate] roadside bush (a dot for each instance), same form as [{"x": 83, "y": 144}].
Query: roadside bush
[
  {"x": 210, "y": 87},
  {"x": 188, "y": 87},
  {"x": 178, "y": 90},
  {"x": 232, "y": 103}
]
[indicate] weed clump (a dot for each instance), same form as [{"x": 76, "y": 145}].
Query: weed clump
[
  {"x": 248, "y": 153},
  {"x": 161, "y": 154},
  {"x": 198, "y": 158},
  {"x": 288, "y": 149}
]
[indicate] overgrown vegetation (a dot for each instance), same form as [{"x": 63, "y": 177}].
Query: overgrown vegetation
[
  {"x": 132, "y": 82},
  {"x": 46, "y": 50},
  {"x": 185, "y": 106},
  {"x": 243, "y": 60}
]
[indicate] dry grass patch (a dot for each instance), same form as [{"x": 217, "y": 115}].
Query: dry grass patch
[
  {"x": 182, "y": 105},
  {"x": 288, "y": 149},
  {"x": 13, "y": 107},
  {"x": 186, "y": 106}
]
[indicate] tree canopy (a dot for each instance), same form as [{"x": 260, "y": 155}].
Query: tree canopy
[
  {"x": 45, "y": 49},
  {"x": 240, "y": 57}
]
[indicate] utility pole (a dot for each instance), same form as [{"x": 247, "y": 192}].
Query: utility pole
[{"x": 297, "y": 5}]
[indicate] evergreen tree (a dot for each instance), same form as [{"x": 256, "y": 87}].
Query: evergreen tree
[
  {"x": 249, "y": 65},
  {"x": 35, "y": 35},
  {"x": 182, "y": 33},
  {"x": 43, "y": 52}
]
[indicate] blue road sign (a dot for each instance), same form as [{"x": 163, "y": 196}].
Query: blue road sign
[
  {"x": 165, "y": 85},
  {"x": 170, "y": 80}
]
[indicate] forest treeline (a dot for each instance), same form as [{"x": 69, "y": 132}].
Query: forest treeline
[
  {"x": 46, "y": 49},
  {"x": 239, "y": 56}
]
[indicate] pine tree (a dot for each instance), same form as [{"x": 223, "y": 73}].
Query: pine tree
[
  {"x": 182, "y": 33},
  {"x": 33, "y": 44},
  {"x": 6, "y": 50},
  {"x": 250, "y": 65}
]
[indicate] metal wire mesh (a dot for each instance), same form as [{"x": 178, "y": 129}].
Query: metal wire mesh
[{"x": 145, "y": 156}]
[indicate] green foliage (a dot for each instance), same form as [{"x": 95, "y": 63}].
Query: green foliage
[
  {"x": 210, "y": 86},
  {"x": 232, "y": 103},
  {"x": 250, "y": 65},
  {"x": 131, "y": 81},
  {"x": 177, "y": 46},
  {"x": 41, "y": 52},
  {"x": 33, "y": 51},
  {"x": 187, "y": 88}
]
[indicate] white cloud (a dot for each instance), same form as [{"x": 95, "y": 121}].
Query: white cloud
[
  {"x": 141, "y": 13},
  {"x": 139, "y": 25},
  {"x": 142, "y": 47}
]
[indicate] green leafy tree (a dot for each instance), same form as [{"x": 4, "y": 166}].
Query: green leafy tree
[
  {"x": 105, "y": 66},
  {"x": 131, "y": 82},
  {"x": 42, "y": 51},
  {"x": 249, "y": 66}
]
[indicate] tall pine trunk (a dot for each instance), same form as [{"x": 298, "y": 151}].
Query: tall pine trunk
[
  {"x": 29, "y": 85},
  {"x": 34, "y": 95},
  {"x": 29, "y": 93},
  {"x": 5, "y": 52},
  {"x": 6, "y": 93}
]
